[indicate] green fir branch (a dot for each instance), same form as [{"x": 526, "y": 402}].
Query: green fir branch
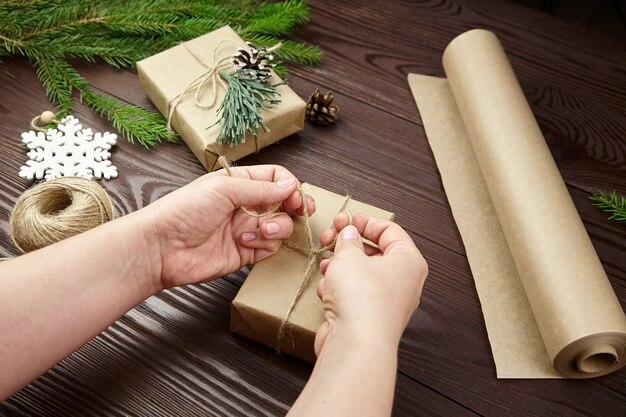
[
  {"x": 55, "y": 83},
  {"x": 278, "y": 18},
  {"x": 296, "y": 52},
  {"x": 134, "y": 123},
  {"x": 64, "y": 71},
  {"x": 280, "y": 70},
  {"x": 122, "y": 32},
  {"x": 611, "y": 203}
]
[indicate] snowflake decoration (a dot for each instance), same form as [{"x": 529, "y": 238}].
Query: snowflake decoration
[{"x": 68, "y": 151}]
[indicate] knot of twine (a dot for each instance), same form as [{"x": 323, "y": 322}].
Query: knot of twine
[
  {"x": 315, "y": 255},
  {"x": 58, "y": 209},
  {"x": 209, "y": 77},
  {"x": 314, "y": 252}
]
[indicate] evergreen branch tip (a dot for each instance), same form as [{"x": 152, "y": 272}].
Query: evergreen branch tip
[
  {"x": 610, "y": 202},
  {"x": 119, "y": 33}
]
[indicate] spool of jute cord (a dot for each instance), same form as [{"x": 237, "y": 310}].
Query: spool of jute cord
[{"x": 58, "y": 209}]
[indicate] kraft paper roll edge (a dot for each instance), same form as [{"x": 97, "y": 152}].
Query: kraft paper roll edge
[
  {"x": 576, "y": 311},
  {"x": 523, "y": 181}
]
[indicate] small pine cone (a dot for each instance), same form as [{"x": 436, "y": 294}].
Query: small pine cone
[
  {"x": 253, "y": 64},
  {"x": 321, "y": 110}
]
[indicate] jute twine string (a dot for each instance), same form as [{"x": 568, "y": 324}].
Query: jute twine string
[
  {"x": 57, "y": 209},
  {"x": 313, "y": 252},
  {"x": 46, "y": 118},
  {"x": 209, "y": 77},
  {"x": 315, "y": 255},
  {"x": 223, "y": 161}
]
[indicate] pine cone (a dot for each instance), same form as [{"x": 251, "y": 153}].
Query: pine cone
[
  {"x": 320, "y": 109},
  {"x": 255, "y": 64}
]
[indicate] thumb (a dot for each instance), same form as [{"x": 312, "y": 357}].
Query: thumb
[
  {"x": 349, "y": 239},
  {"x": 247, "y": 192}
]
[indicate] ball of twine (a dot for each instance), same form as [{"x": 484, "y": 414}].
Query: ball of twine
[{"x": 57, "y": 209}]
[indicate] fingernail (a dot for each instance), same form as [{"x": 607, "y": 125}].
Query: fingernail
[
  {"x": 272, "y": 228},
  {"x": 248, "y": 236},
  {"x": 285, "y": 182},
  {"x": 349, "y": 233}
]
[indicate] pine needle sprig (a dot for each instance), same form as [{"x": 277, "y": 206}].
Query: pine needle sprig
[
  {"x": 241, "y": 109},
  {"x": 289, "y": 51},
  {"x": 54, "y": 82},
  {"x": 135, "y": 123},
  {"x": 278, "y": 18},
  {"x": 296, "y": 11},
  {"x": 132, "y": 122},
  {"x": 122, "y": 32},
  {"x": 611, "y": 203}
]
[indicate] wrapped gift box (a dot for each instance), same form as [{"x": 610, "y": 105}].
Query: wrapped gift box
[
  {"x": 266, "y": 295},
  {"x": 166, "y": 75}
]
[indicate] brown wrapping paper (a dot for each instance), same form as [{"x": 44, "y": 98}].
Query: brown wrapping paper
[
  {"x": 261, "y": 303},
  {"x": 549, "y": 308},
  {"x": 167, "y": 74}
]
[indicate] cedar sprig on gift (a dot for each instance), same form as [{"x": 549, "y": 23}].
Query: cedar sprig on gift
[
  {"x": 51, "y": 32},
  {"x": 244, "y": 102},
  {"x": 611, "y": 203}
]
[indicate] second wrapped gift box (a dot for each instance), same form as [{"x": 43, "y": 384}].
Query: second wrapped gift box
[{"x": 166, "y": 75}]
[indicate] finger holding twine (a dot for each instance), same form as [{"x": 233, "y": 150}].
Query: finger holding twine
[
  {"x": 313, "y": 252},
  {"x": 315, "y": 255}
]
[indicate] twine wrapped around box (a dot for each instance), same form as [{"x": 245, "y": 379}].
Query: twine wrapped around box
[
  {"x": 277, "y": 304},
  {"x": 171, "y": 80}
]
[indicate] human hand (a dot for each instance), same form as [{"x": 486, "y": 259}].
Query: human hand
[
  {"x": 199, "y": 232},
  {"x": 369, "y": 292}
]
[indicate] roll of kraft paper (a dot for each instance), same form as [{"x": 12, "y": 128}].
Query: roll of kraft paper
[{"x": 549, "y": 308}]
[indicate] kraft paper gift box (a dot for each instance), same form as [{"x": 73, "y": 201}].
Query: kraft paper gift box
[
  {"x": 166, "y": 75},
  {"x": 265, "y": 297}
]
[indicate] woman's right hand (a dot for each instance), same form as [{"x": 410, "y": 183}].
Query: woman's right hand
[{"x": 369, "y": 291}]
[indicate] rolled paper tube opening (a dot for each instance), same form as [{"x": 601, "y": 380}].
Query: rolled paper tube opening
[{"x": 597, "y": 359}]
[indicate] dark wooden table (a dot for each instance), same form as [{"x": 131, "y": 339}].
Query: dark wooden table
[{"x": 174, "y": 354}]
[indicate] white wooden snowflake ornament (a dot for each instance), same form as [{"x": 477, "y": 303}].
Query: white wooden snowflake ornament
[{"x": 68, "y": 151}]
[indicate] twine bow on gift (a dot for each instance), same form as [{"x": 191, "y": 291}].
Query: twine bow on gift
[
  {"x": 247, "y": 93},
  {"x": 314, "y": 253},
  {"x": 210, "y": 77}
]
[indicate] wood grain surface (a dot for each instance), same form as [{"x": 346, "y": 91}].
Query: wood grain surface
[{"x": 174, "y": 353}]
